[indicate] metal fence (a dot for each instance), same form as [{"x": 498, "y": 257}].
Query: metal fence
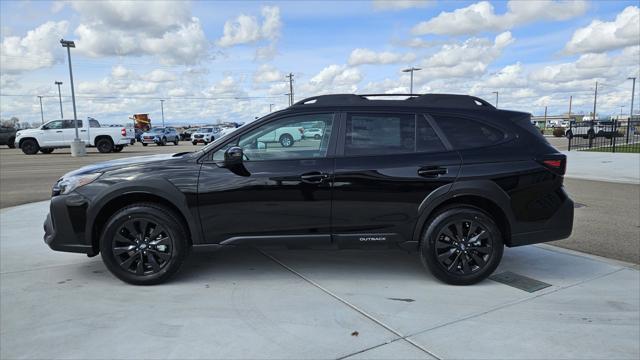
[{"x": 609, "y": 136}]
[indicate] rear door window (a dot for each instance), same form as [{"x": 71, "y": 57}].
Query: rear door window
[
  {"x": 466, "y": 133},
  {"x": 383, "y": 134}
]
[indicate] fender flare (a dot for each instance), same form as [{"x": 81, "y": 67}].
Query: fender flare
[
  {"x": 485, "y": 189},
  {"x": 156, "y": 187}
]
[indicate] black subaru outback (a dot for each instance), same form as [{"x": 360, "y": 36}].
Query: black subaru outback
[{"x": 448, "y": 176}]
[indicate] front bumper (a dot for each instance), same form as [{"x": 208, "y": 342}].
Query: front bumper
[
  {"x": 200, "y": 140},
  {"x": 64, "y": 227}
]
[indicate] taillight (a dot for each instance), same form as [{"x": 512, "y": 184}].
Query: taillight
[
  {"x": 123, "y": 132},
  {"x": 556, "y": 163}
]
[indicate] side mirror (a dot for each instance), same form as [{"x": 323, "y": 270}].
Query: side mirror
[
  {"x": 233, "y": 156},
  {"x": 44, "y": 127}
]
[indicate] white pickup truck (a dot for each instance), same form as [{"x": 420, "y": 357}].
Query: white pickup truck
[{"x": 60, "y": 134}]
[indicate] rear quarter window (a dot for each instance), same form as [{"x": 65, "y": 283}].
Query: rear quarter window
[{"x": 465, "y": 133}]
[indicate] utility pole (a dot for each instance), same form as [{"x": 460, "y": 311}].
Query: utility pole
[
  {"x": 289, "y": 95},
  {"x": 77, "y": 146},
  {"x": 41, "y": 112},
  {"x": 60, "y": 97},
  {"x": 495, "y": 92},
  {"x": 570, "y": 100},
  {"x": 290, "y": 76},
  {"x": 633, "y": 94},
  {"x": 595, "y": 101},
  {"x": 545, "y": 116},
  {"x": 270, "y": 107},
  {"x": 162, "y": 109},
  {"x": 411, "y": 70}
]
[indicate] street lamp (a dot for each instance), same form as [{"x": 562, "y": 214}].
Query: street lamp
[
  {"x": 495, "y": 92},
  {"x": 41, "y": 111},
  {"x": 271, "y": 107},
  {"x": 411, "y": 70},
  {"x": 77, "y": 146},
  {"x": 162, "y": 110},
  {"x": 60, "y": 97}
]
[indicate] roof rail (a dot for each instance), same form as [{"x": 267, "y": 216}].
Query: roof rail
[{"x": 428, "y": 100}]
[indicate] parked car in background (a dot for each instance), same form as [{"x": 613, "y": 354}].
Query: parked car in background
[
  {"x": 61, "y": 133},
  {"x": 204, "y": 135},
  {"x": 591, "y": 129},
  {"x": 448, "y": 177},
  {"x": 312, "y": 133},
  {"x": 8, "y": 136},
  {"x": 138, "y": 135},
  {"x": 160, "y": 136},
  {"x": 185, "y": 135}
]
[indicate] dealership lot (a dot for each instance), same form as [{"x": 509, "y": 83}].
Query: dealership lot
[{"x": 243, "y": 303}]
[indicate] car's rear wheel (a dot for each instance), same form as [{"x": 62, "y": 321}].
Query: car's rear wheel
[
  {"x": 286, "y": 140},
  {"x": 461, "y": 245},
  {"x": 144, "y": 244},
  {"x": 176, "y": 141},
  {"x": 11, "y": 144},
  {"x": 30, "y": 147},
  {"x": 316, "y": 136},
  {"x": 46, "y": 150},
  {"x": 104, "y": 145}
]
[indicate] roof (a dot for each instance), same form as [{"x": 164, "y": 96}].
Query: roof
[{"x": 412, "y": 100}]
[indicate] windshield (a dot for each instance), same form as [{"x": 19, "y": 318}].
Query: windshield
[{"x": 156, "y": 130}]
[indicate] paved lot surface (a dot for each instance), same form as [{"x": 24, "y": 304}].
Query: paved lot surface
[{"x": 242, "y": 303}]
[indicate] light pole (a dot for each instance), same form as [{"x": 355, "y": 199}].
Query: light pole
[
  {"x": 495, "y": 92},
  {"x": 41, "y": 112},
  {"x": 162, "y": 109},
  {"x": 289, "y": 96},
  {"x": 411, "y": 70},
  {"x": 60, "y": 98},
  {"x": 270, "y": 107},
  {"x": 633, "y": 95},
  {"x": 77, "y": 146}
]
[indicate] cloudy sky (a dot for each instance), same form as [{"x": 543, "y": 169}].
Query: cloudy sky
[{"x": 227, "y": 61}]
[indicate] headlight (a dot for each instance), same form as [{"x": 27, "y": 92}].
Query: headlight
[{"x": 67, "y": 185}]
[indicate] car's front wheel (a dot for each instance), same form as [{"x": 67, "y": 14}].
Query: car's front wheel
[
  {"x": 176, "y": 141},
  {"x": 144, "y": 244},
  {"x": 30, "y": 147},
  {"x": 461, "y": 245},
  {"x": 286, "y": 140}
]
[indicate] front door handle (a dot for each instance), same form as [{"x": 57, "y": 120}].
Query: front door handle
[
  {"x": 315, "y": 177},
  {"x": 59, "y": 131},
  {"x": 432, "y": 171}
]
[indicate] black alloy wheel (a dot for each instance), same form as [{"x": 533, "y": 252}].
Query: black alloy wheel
[
  {"x": 144, "y": 244},
  {"x": 104, "y": 145},
  {"x": 461, "y": 245},
  {"x": 30, "y": 147}
]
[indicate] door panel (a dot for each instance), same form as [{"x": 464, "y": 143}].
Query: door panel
[
  {"x": 53, "y": 134},
  {"x": 376, "y": 197},
  {"x": 278, "y": 190}
]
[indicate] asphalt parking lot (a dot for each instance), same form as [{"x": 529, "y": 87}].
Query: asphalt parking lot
[{"x": 240, "y": 303}]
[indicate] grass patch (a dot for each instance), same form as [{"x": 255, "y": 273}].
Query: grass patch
[{"x": 623, "y": 148}]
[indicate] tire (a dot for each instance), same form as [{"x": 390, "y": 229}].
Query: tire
[
  {"x": 194, "y": 143},
  {"x": 47, "y": 150},
  {"x": 11, "y": 144},
  {"x": 468, "y": 262},
  {"x": 286, "y": 140},
  {"x": 569, "y": 134},
  {"x": 144, "y": 144},
  {"x": 104, "y": 145},
  {"x": 30, "y": 147},
  {"x": 133, "y": 255},
  {"x": 316, "y": 136},
  {"x": 118, "y": 148},
  {"x": 176, "y": 141},
  {"x": 132, "y": 142},
  {"x": 162, "y": 142}
]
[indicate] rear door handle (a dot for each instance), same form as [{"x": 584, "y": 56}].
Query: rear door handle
[
  {"x": 83, "y": 130},
  {"x": 314, "y": 177},
  {"x": 59, "y": 131},
  {"x": 432, "y": 171}
]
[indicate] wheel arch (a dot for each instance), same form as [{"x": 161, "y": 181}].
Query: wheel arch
[
  {"x": 483, "y": 194},
  {"x": 103, "y": 208},
  {"x": 22, "y": 140},
  {"x": 100, "y": 137}
]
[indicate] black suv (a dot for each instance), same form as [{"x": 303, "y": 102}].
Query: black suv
[{"x": 448, "y": 176}]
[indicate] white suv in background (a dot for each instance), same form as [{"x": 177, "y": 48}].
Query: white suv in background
[{"x": 204, "y": 135}]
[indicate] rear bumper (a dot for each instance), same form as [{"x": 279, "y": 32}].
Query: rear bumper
[
  {"x": 558, "y": 227},
  {"x": 64, "y": 227}
]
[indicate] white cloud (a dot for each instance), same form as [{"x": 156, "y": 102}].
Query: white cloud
[
  {"x": 365, "y": 56},
  {"x": 333, "y": 79},
  {"x": 470, "y": 58},
  {"x": 481, "y": 16},
  {"x": 267, "y": 73},
  {"x": 602, "y": 36},
  {"x": 399, "y": 4},
  {"x": 159, "y": 75},
  {"x": 39, "y": 48},
  {"x": 247, "y": 29},
  {"x": 163, "y": 29}
]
